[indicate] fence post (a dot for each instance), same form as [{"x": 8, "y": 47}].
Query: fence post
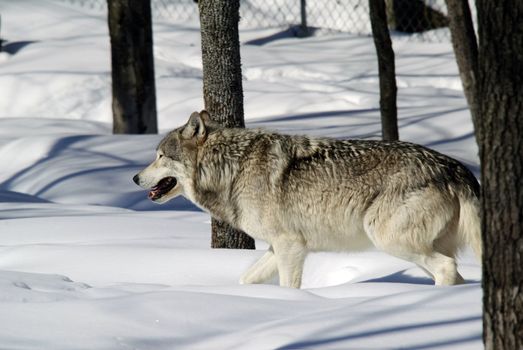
[{"x": 303, "y": 12}]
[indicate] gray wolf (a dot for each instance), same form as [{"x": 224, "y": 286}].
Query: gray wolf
[{"x": 303, "y": 194}]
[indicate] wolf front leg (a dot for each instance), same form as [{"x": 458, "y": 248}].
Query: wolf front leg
[
  {"x": 290, "y": 255},
  {"x": 262, "y": 270}
]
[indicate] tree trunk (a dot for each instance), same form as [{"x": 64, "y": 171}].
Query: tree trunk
[
  {"x": 134, "y": 96},
  {"x": 1, "y": 40},
  {"x": 414, "y": 16},
  {"x": 222, "y": 88},
  {"x": 465, "y": 50},
  {"x": 500, "y": 138},
  {"x": 386, "y": 68}
]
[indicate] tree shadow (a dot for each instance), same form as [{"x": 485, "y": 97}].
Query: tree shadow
[
  {"x": 134, "y": 198},
  {"x": 402, "y": 277},
  {"x": 318, "y": 340},
  {"x": 315, "y": 344},
  {"x": 313, "y": 115},
  {"x": 14, "y": 47},
  {"x": 291, "y": 32},
  {"x": 58, "y": 148},
  {"x": 18, "y": 197},
  {"x": 403, "y": 122}
]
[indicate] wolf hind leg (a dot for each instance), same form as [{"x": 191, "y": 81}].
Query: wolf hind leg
[
  {"x": 262, "y": 270},
  {"x": 420, "y": 227},
  {"x": 441, "y": 268},
  {"x": 421, "y": 239},
  {"x": 442, "y": 259},
  {"x": 290, "y": 256},
  {"x": 447, "y": 245}
]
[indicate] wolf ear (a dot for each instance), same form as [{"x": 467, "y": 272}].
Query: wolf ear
[
  {"x": 205, "y": 116},
  {"x": 210, "y": 124},
  {"x": 195, "y": 128}
]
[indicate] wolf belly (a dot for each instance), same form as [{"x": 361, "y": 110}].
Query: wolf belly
[
  {"x": 321, "y": 227},
  {"x": 335, "y": 230}
]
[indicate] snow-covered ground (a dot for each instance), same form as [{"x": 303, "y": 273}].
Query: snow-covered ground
[{"x": 87, "y": 262}]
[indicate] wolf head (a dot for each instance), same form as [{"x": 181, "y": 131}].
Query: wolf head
[{"x": 169, "y": 175}]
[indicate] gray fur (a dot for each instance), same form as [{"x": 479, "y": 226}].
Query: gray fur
[{"x": 304, "y": 194}]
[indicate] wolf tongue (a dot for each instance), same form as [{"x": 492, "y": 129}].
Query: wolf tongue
[
  {"x": 153, "y": 192},
  {"x": 156, "y": 190}
]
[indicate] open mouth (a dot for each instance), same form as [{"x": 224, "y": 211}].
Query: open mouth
[{"x": 163, "y": 187}]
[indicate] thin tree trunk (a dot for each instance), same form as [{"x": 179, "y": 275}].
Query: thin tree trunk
[
  {"x": 386, "y": 68},
  {"x": 222, "y": 88},
  {"x": 134, "y": 95},
  {"x": 500, "y": 137},
  {"x": 465, "y": 49}
]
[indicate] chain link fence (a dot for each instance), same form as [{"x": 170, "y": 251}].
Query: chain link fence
[{"x": 424, "y": 20}]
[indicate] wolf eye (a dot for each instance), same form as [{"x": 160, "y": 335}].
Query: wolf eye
[{"x": 160, "y": 156}]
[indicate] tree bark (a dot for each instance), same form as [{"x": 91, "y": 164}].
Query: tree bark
[
  {"x": 386, "y": 68},
  {"x": 222, "y": 88},
  {"x": 465, "y": 49},
  {"x": 134, "y": 95},
  {"x": 500, "y": 139}
]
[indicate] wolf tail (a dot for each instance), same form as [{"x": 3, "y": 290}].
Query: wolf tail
[{"x": 469, "y": 226}]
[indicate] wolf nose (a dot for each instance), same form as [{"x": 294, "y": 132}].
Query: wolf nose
[{"x": 136, "y": 179}]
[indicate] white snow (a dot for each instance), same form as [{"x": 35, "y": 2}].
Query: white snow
[{"x": 87, "y": 262}]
